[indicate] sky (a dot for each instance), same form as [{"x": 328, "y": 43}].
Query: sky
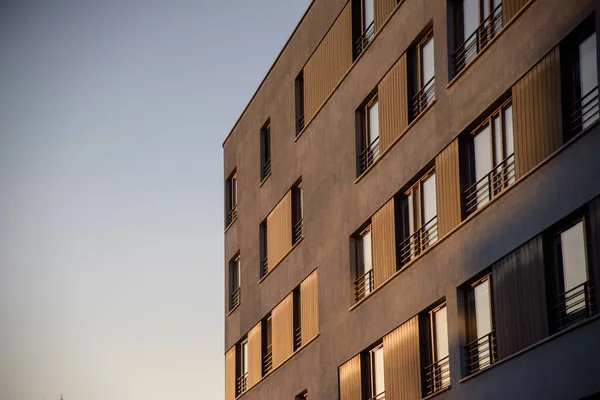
[{"x": 112, "y": 117}]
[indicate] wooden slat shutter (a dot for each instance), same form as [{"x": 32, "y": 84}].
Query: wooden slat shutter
[
  {"x": 384, "y": 243},
  {"x": 537, "y": 113},
  {"x": 279, "y": 231},
  {"x": 309, "y": 307},
  {"x": 510, "y": 8},
  {"x": 254, "y": 355},
  {"x": 383, "y": 9},
  {"x": 393, "y": 104},
  {"x": 402, "y": 366},
  {"x": 230, "y": 374},
  {"x": 283, "y": 330},
  {"x": 448, "y": 189},
  {"x": 350, "y": 383}
]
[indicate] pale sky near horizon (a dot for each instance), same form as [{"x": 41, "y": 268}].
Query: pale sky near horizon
[{"x": 112, "y": 116}]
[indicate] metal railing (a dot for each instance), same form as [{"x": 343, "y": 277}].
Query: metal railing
[
  {"x": 235, "y": 299},
  {"x": 266, "y": 168},
  {"x": 369, "y": 155},
  {"x": 297, "y": 337},
  {"x": 242, "y": 383},
  {"x": 268, "y": 361},
  {"x": 363, "y": 286},
  {"x": 364, "y": 39},
  {"x": 298, "y": 231},
  {"x": 477, "y": 41},
  {"x": 419, "y": 241},
  {"x": 300, "y": 123},
  {"x": 232, "y": 215},
  {"x": 575, "y": 305},
  {"x": 380, "y": 396},
  {"x": 264, "y": 266},
  {"x": 423, "y": 98},
  {"x": 584, "y": 112},
  {"x": 482, "y": 191},
  {"x": 481, "y": 353},
  {"x": 437, "y": 376}
]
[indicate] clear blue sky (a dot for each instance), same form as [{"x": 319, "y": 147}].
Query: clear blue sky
[{"x": 112, "y": 115}]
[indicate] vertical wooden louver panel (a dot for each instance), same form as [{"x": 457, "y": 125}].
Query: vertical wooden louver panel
[
  {"x": 383, "y": 9},
  {"x": 537, "y": 113},
  {"x": 350, "y": 382},
  {"x": 309, "y": 307},
  {"x": 448, "y": 188},
  {"x": 520, "y": 298},
  {"x": 383, "y": 239},
  {"x": 282, "y": 320},
  {"x": 393, "y": 104},
  {"x": 402, "y": 366},
  {"x": 230, "y": 374},
  {"x": 279, "y": 230},
  {"x": 328, "y": 64},
  {"x": 254, "y": 355},
  {"x": 510, "y": 8}
]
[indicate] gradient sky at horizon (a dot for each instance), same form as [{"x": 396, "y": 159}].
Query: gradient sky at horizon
[{"x": 112, "y": 116}]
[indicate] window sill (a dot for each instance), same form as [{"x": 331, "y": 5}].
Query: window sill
[
  {"x": 432, "y": 395},
  {"x": 230, "y": 224},
  {"x": 383, "y": 153},
  {"x": 488, "y": 45},
  {"x": 282, "y": 258},
  {"x": 531, "y": 347},
  {"x": 233, "y": 309},
  {"x": 265, "y": 179}
]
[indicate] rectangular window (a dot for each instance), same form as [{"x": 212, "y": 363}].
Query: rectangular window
[
  {"x": 423, "y": 76},
  {"x": 242, "y": 370},
  {"x": 264, "y": 262},
  {"x": 476, "y": 22},
  {"x": 363, "y": 285},
  {"x": 234, "y": 283},
  {"x": 299, "y": 87},
  {"x": 573, "y": 282},
  {"x": 437, "y": 373},
  {"x": 363, "y": 24},
  {"x": 481, "y": 349},
  {"x": 231, "y": 196},
  {"x": 297, "y": 213},
  {"x": 369, "y": 134},
  {"x": 419, "y": 218},
  {"x": 377, "y": 373},
  {"x": 267, "y": 345},
  {"x": 491, "y": 162},
  {"x": 297, "y": 319},
  {"x": 265, "y": 151},
  {"x": 580, "y": 87}
]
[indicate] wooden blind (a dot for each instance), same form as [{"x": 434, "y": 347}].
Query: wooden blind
[
  {"x": 230, "y": 374},
  {"x": 383, "y": 9},
  {"x": 254, "y": 355},
  {"x": 448, "y": 188},
  {"x": 279, "y": 231},
  {"x": 393, "y": 104},
  {"x": 309, "y": 307},
  {"x": 510, "y": 8},
  {"x": 283, "y": 330},
  {"x": 384, "y": 243},
  {"x": 350, "y": 383},
  {"x": 401, "y": 362}
]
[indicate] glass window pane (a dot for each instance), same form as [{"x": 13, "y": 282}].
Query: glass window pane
[
  {"x": 470, "y": 17},
  {"x": 429, "y": 199},
  {"x": 411, "y": 214},
  {"x": 373, "y": 121},
  {"x": 427, "y": 62},
  {"x": 483, "y": 312},
  {"x": 589, "y": 79},
  {"x": 244, "y": 358},
  {"x": 441, "y": 333},
  {"x": 483, "y": 158},
  {"x": 498, "y": 151},
  {"x": 378, "y": 371},
  {"x": 486, "y": 8},
  {"x": 508, "y": 130},
  {"x": 368, "y": 13},
  {"x": 574, "y": 258},
  {"x": 366, "y": 243}
]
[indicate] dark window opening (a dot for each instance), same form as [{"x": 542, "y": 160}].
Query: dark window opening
[
  {"x": 265, "y": 151},
  {"x": 364, "y": 283},
  {"x": 363, "y": 25},
  {"x": 297, "y": 319},
  {"x": 368, "y": 133},
  {"x": 435, "y": 350},
  {"x": 267, "y": 345},
  {"x": 231, "y": 199},
  {"x": 264, "y": 262},
  {"x": 297, "y": 214},
  {"x": 234, "y": 282},
  {"x": 299, "y": 88},
  {"x": 421, "y": 76}
]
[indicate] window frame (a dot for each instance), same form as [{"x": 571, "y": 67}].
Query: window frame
[
  {"x": 231, "y": 198},
  {"x": 420, "y": 75},
  {"x": 471, "y": 322},
  {"x": 360, "y": 270},
  {"x": 372, "y": 371},
  {"x": 234, "y": 266},
  {"x": 265, "y": 151}
]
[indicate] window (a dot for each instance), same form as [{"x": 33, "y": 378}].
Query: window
[
  {"x": 264, "y": 262},
  {"x": 267, "y": 345},
  {"x": 234, "y": 283},
  {"x": 481, "y": 349},
  {"x": 581, "y": 79},
  {"x": 419, "y": 218},
  {"x": 437, "y": 373},
  {"x": 297, "y": 319},
  {"x": 363, "y": 24},
  {"x": 423, "y": 76},
  {"x": 299, "y": 87},
  {"x": 297, "y": 215},
  {"x": 491, "y": 158},
  {"x": 476, "y": 23},
  {"x": 231, "y": 196},
  {"x": 573, "y": 284},
  {"x": 242, "y": 372},
  {"x": 368, "y": 117},
  {"x": 363, "y": 285},
  {"x": 377, "y": 373},
  {"x": 265, "y": 151},
  {"x": 302, "y": 396}
]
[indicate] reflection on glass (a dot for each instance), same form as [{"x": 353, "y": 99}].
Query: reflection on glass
[
  {"x": 470, "y": 17},
  {"x": 483, "y": 319},
  {"x": 368, "y": 13},
  {"x": 440, "y": 321},
  {"x": 482, "y": 144},
  {"x": 428, "y": 69},
  {"x": 373, "y": 121},
  {"x": 378, "y": 378},
  {"x": 429, "y": 199},
  {"x": 574, "y": 262},
  {"x": 589, "y": 79}
]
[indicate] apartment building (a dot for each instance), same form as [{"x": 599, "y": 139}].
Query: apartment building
[{"x": 412, "y": 206}]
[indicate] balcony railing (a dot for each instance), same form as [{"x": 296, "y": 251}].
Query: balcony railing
[
  {"x": 380, "y": 396},
  {"x": 584, "y": 112},
  {"x": 364, "y": 40},
  {"x": 369, "y": 155},
  {"x": 437, "y": 376},
  {"x": 298, "y": 231},
  {"x": 235, "y": 299},
  {"x": 300, "y": 123},
  {"x": 232, "y": 215},
  {"x": 266, "y": 168},
  {"x": 419, "y": 241},
  {"x": 268, "y": 361},
  {"x": 575, "y": 305},
  {"x": 481, "y": 353},
  {"x": 423, "y": 98},
  {"x": 363, "y": 286},
  {"x": 242, "y": 383},
  {"x": 297, "y": 338},
  {"x": 264, "y": 266},
  {"x": 483, "y": 35},
  {"x": 482, "y": 191}
]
